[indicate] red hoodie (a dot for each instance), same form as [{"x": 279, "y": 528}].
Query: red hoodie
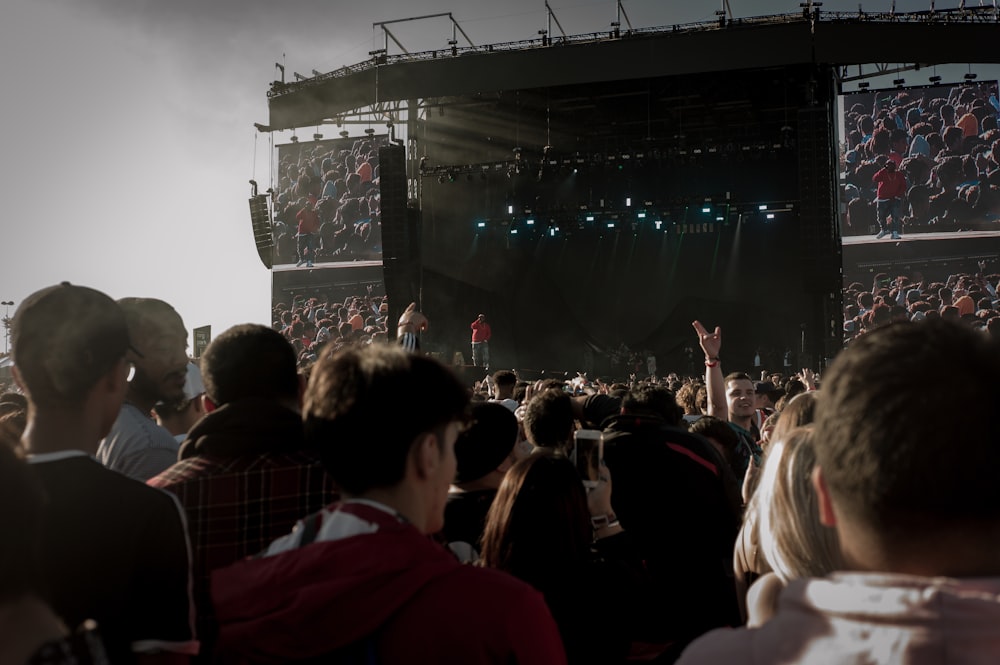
[
  {"x": 406, "y": 593},
  {"x": 891, "y": 184}
]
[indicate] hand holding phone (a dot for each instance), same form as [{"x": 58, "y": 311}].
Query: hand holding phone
[{"x": 587, "y": 453}]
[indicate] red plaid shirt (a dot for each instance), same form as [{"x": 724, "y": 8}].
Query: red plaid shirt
[{"x": 235, "y": 507}]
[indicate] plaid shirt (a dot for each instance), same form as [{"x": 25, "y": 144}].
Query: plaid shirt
[{"x": 235, "y": 507}]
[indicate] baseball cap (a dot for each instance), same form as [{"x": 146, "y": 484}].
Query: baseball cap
[
  {"x": 193, "y": 385},
  {"x": 64, "y": 338}
]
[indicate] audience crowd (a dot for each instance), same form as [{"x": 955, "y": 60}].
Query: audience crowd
[
  {"x": 327, "y": 206},
  {"x": 945, "y": 143},
  {"x": 333, "y": 497}
]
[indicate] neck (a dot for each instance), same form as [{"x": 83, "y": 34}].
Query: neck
[
  {"x": 949, "y": 551},
  {"x": 53, "y": 429},
  {"x": 743, "y": 421},
  {"x": 142, "y": 402},
  {"x": 401, "y": 499}
]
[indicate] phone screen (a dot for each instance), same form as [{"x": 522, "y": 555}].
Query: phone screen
[{"x": 588, "y": 449}]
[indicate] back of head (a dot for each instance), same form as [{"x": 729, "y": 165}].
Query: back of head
[
  {"x": 786, "y": 511},
  {"x": 538, "y": 524},
  {"x": 800, "y": 410},
  {"x": 64, "y": 338},
  {"x": 250, "y": 361},
  {"x": 905, "y": 432},
  {"x": 655, "y": 401},
  {"x": 505, "y": 377},
  {"x": 365, "y": 406},
  {"x": 487, "y": 443},
  {"x": 548, "y": 419}
]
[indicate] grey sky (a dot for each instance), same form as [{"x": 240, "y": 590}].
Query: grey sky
[{"x": 127, "y": 127}]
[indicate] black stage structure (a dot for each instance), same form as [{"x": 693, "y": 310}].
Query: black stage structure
[{"x": 605, "y": 190}]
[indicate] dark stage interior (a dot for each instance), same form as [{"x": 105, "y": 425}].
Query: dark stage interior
[{"x": 646, "y": 214}]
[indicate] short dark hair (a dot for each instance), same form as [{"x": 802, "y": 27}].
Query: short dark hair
[
  {"x": 505, "y": 377},
  {"x": 887, "y": 444},
  {"x": 247, "y": 361},
  {"x": 365, "y": 406},
  {"x": 651, "y": 400},
  {"x": 736, "y": 376},
  {"x": 548, "y": 419}
]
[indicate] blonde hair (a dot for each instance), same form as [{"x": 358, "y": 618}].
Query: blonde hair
[{"x": 786, "y": 512}]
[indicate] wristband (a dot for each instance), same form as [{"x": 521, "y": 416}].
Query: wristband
[
  {"x": 601, "y": 521},
  {"x": 711, "y": 364}
]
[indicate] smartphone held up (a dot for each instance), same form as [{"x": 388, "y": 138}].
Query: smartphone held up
[{"x": 587, "y": 453}]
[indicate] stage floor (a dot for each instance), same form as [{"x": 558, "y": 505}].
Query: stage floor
[{"x": 914, "y": 237}]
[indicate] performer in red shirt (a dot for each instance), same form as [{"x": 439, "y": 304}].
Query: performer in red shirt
[
  {"x": 481, "y": 334},
  {"x": 889, "y": 199}
]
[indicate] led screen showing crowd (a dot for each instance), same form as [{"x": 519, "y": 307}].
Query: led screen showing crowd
[
  {"x": 329, "y": 306},
  {"x": 942, "y": 139},
  {"x": 326, "y": 201}
]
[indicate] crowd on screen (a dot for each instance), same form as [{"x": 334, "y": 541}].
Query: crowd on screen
[
  {"x": 946, "y": 143},
  {"x": 970, "y": 297},
  {"x": 331, "y": 193},
  {"x": 310, "y": 321},
  {"x": 335, "y": 497}
]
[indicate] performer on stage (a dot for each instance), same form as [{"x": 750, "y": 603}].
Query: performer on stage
[
  {"x": 481, "y": 334},
  {"x": 410, "y": 323}
]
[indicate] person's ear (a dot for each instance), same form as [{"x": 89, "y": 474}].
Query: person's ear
[
  {"x": 426, "y": 454},
  {"x": 207, "y": 405},
  {"x": 827, "y": 516}
]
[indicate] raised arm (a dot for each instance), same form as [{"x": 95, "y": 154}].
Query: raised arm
[{"x": 711, "y": 344}]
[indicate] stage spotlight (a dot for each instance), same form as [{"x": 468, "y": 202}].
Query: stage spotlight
[
  {"x": 611, "y": 225},
  {"x": 706, "y": 210},
  {"x": 513, "y": 232},
  {"x": 423, "y": 164},
  {"x": 510, "y": 209},
  {"x": 294, "y": 139},
  {"x": 441, "y": 179},
  {"x": 864, "y": 85},
  {"x": 317, "y": 137},
  {"x": 770, "y": 215},
  {"x": 934, "y": 79},
  {"x": 530, "y": 222},
  {"x": 642, "y": 215},
  {"x": 344, "y": 134},
  {"x": 481, "y": 225},
  {"x": 370, "y": 132},
  {"x": 451, "y": 176},
  {"x": 628, "y": 202},
  {"x": 971, "y": 76},
  {"x": 762, "y": 206},
  {"x": 590, "y": 218},
  {"x": 898, "y": 82},
  {"x": 658, "y": 224}
]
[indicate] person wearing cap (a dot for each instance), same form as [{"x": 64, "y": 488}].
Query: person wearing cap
[
  {"x": 179, "y": 417},
  {"x": 360, "y": 581},
  {"x": 113, "y": 550},
  {"x": 485, "y": 452},
  {"x": 136, "y": 446},
  {"x": 765, "y": 393},
  {"x": 245, "y": 473},
  {"x": 481, "y": 334}
]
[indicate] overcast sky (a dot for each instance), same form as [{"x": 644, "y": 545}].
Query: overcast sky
[{"x": 127, "y": 127}]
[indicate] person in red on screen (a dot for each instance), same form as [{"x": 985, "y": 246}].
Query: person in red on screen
[
  {"x": 481, "y": 334},
  {"x": 889, "y": 199}
]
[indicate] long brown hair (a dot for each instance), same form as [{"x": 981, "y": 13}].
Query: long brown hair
[{"x": 539, "y": 525}]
